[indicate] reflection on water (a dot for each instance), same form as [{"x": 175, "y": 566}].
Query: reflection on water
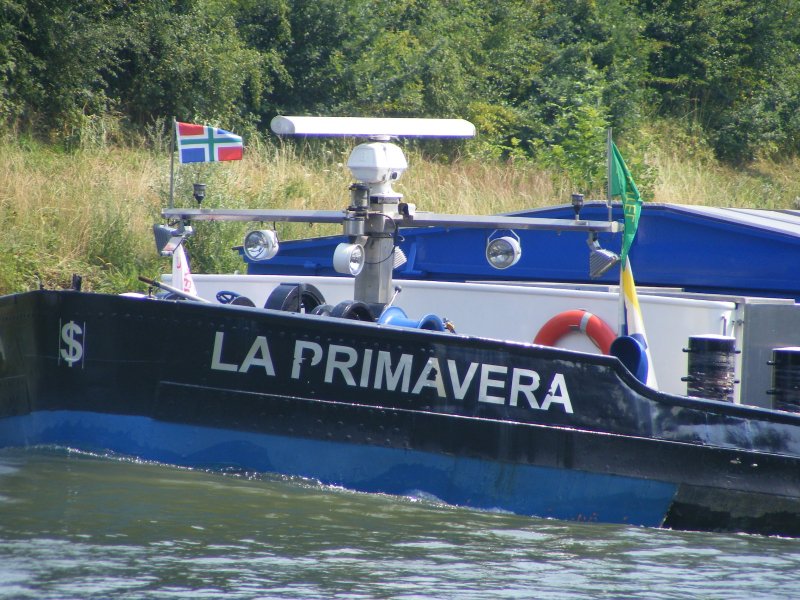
[{"x": 78, "y": 526}]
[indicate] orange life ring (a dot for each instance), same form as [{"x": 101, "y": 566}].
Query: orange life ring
[{"x": 576, "y": 320}]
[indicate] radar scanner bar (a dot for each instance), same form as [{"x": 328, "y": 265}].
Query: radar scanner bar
[{"x": 372, "y": 127}]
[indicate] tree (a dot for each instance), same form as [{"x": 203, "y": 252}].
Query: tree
[
  {"x": 731, "y": 65},
  {"x": 61, "y": 53},
  {"x": 188, "y": 63}
]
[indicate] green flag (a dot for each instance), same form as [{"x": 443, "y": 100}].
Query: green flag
[{"x": 622, "y": 185}]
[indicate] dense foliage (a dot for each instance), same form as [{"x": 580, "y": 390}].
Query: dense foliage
[{"x": 541, "y": 79}]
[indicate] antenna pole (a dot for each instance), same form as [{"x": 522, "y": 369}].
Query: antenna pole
[
  {"x": 172, "y": 166},
  {"x": 608, "y": 172},
  {"x": 622, "y": 328}
]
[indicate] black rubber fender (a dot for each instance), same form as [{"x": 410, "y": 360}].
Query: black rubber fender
[
  {"x": 323, "y": 310},
  {"x": 295, "y": 297},
  {"x": 350, "y": 309},
  {"x": 242, "y": 301}
]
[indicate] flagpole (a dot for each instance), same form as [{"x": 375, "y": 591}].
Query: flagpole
[
  {"x": 608, "y": 172},
  {"x": 621, "y": 328},
  {"x": 622, "y": 325},
  {"x": 172, "y": 166}
]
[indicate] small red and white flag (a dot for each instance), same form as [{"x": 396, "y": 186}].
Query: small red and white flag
[{"x": 181, "y": 274}]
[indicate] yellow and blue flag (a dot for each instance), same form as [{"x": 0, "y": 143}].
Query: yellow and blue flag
[
  {"x": 634, "y": 323},
  {"x": 622, "y": 185}
]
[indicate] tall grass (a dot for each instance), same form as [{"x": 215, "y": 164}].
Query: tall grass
[
  {"x": 82, "y": 211},
  {"x": 91, "y": 210},
  {"x": 761, "y": 185}
]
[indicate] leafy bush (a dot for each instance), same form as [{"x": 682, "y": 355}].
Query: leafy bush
[{"x": 534, "y": 75}]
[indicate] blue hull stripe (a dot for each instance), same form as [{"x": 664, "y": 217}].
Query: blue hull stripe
[{"x": 477, "y": 483}]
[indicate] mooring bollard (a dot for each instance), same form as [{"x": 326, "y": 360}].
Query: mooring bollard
[
  {"x": 711, "y": 367},
  {"x": 786, "y": 378}
]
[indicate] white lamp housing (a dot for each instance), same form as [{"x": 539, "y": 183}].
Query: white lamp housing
[
  {"x": 503, "y": 252},
  {"x": 378, "y": 164},
  {"x": 261, "y": 244},
  {"x": 348, "y": 259}
]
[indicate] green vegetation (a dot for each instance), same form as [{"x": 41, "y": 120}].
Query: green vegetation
[
  {"x": 703, "y": 97},
  {"x": 534, "y": 76}
]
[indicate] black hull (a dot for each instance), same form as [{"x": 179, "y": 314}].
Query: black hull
[{"x": 477, "y": 422}]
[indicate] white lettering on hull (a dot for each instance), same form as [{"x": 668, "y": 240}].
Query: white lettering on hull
[
  {"x": 258, "y": 356},
  {"x": 344, "y": 365},
  {"x": 216, "y": 355},
  {"x": 299, "y": 348},
  {"x": 526, "y": 389},
  {"x": 431, "y": 377},
  {"x": 71, "y": 343}
]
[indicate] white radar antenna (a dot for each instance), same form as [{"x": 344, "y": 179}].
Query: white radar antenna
[
  {"x": 378, "y": 163},
  {"x": 371, "y": 219}
]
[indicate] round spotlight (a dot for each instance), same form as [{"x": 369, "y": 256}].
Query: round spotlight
[
  {"x": 503, "y": 252},
  {"x": 261, "y": 245},
  {"x": 348, "y": 259}
]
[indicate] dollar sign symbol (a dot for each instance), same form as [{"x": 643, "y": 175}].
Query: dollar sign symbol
[{"x": 74, "y": 350}]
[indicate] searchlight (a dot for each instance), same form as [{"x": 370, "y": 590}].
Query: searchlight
[
  {"x": 600, "y": 259},
  {"x": 169, "y": 238},
  {"x": 261, "y": 244},
  {"x": 348, "y": 259},
  {"x": 504, "y": 251}
]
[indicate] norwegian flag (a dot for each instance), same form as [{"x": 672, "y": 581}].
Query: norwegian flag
[{"x": 202, "y": 143}]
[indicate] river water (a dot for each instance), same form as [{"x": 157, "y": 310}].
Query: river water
[{"x": 74, "y": 525}]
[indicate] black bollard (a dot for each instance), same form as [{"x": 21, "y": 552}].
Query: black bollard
[
  {"x": 786, "y": 378},
  {"x": 712, "y": 367}
]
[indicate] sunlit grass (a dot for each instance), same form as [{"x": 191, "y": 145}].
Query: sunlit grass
[
  {"x": 90, "y": 211},
  {"x": 761, "y": 185}
]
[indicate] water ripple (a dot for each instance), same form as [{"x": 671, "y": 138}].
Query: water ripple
[{"x": 81, "y": 526}]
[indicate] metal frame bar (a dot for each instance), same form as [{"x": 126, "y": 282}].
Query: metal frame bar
[{"x": 419, "y": 219}]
